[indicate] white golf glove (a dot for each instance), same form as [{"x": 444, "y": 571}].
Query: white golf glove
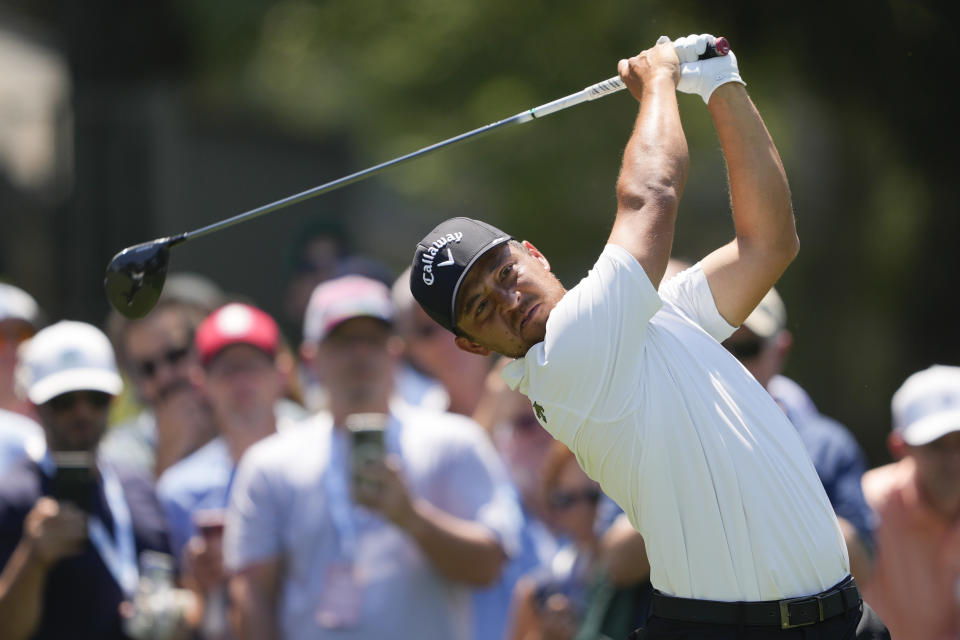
[
  {"x": 702, "y": 77},
  {"x": 689, "y": 48}
]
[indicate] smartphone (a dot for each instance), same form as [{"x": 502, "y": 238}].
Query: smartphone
[
  {"x": 74, "y": 480},
  {"x": 209, "y": 522},
  {"x": 367, "y": 441}
]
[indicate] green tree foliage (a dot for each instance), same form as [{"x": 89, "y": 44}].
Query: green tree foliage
[{"x": 849, "y": 90}]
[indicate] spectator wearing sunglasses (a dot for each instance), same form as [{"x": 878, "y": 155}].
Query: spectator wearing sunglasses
[
  {"x": 549, "y": 603},
  {"x": 69, "y": 548},
  {"x": 438, "y": 374},
  {"x": 762, "y": 345},
  {"x": 523, "y": 445},
  {"x": 158, "y": 357},
  {"x": 20, "y": 318}
]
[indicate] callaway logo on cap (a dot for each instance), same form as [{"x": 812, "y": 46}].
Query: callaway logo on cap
[{"x": 442, "y": 260}]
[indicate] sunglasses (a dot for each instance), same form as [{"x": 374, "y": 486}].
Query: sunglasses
[
  {"x": 148, "y": 368},
  {"x": 563, "y": 500},
  {"x": 15, "y": 335},
  {"x": 67, "y": 401},
  {"x": 745, "y": 349}
]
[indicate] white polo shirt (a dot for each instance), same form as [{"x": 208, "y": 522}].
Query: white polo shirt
[{"x": 705, "y": 464}]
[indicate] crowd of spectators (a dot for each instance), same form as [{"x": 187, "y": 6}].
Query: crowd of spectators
[{"x": 196, "y": 474}]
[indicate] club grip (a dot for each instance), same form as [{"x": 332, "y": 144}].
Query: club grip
[{"x": 720, "y": 47}]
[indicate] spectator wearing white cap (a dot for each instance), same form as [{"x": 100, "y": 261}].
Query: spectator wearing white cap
[
  {"x": 20, "y": 318},
  {"x": 238, "y": 346},
  {"x": 319, "y": 548},
  {"x": 762, "y": 344},
  {"x": 69, "y": 562},
  {"x": 916, "y": 583}
]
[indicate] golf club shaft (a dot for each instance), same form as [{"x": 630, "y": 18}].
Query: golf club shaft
[{"x": 592, "y": 92}]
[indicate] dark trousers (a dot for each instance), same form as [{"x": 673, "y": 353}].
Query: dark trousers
[{"x": 841, "y": 627}]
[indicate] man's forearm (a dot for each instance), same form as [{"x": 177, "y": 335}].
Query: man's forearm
[
  {"x": 252, "y": 612},
  {"x": 459, "y": 549},
  {"x": 652, "y": 178},
  {"x": 656, "y": 153},
  {"x": 742, "y": 271},
  {"x": 759, "y": 192},
  {"x": 21, "y": 593}
]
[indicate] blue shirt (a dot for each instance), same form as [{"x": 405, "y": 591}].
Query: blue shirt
[
  {"x": 19, "y": 437},
  {"x": 291, "y": 502},
  {"x": 491, "y": 606},
  {"x": 81, "y": 597},
  {"x": 199, "y": 481},
  {"x": 836, "y": 455}
]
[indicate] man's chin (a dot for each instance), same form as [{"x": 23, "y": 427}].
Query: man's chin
[
  {"x": 534, "y": 333},
  {"x": 521, "y": 350}
]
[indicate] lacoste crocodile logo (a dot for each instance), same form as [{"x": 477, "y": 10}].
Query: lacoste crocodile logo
[{"x": 538, "y": 409}]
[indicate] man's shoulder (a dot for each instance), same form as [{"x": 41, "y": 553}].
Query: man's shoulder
[
  {"x": 441, "y": 427},
  {"x": 880, "y": 483},
  {"x": 291, "y": 445},
  {"x": 614, "y": 268},
  {"x": 587, "y": 328},
  {"x": 15, "y": 424}
]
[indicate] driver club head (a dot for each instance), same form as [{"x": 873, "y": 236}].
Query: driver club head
[{"x": 135, "y": 277}]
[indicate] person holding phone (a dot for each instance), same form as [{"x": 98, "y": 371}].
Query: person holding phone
[
  {"x": 375, "y": 519},
  {"x": 549, "y": 601},
  {"x": 237, "y": 346},
  {"x": 71, "y": 530}
]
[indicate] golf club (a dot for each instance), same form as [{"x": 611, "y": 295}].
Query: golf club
[{"x": 135, "y": 276}]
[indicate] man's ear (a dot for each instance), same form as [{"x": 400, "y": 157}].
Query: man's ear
[
  {"x": 396, "y": 346},
  {"x": 308, "y": 352},
  {"x": 532, "y": 250},
  {"x": 898, "y": 448},
  {"x": 468, "y": 345},
  {"x": 784, "y": 343}
]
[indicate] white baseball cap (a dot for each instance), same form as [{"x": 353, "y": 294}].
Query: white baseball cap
[
  {"x": 770, "y": 316},
  {"x": 67, "y": 356},
  {"x": 17, "y": 304},
  {"x": 927, "y": 406}
]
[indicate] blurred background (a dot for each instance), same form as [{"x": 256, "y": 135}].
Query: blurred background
[{"x": 124, "y": 121}]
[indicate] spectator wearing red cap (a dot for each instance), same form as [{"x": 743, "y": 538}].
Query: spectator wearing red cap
[{"x": 237, "y": 346}]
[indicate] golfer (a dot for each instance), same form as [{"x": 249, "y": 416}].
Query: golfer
[{"x": 741, "y": 538}]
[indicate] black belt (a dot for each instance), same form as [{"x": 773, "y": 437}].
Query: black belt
[{"x": 786, "y": 614}]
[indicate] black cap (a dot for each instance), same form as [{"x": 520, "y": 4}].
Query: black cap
[{"x": 442, "y": 260}]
